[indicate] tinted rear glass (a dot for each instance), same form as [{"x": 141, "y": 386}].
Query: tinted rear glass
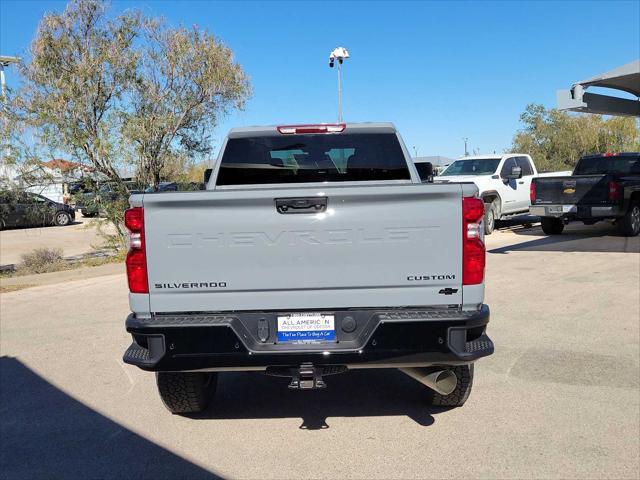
[
  {"x": 312, "y": 158},
  {"x": 628, "y": 164}
]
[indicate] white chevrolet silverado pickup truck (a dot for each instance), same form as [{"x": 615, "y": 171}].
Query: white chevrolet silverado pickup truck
[
  {"x": 503, "y": 181},
  {"x": 314, "y": 250}
]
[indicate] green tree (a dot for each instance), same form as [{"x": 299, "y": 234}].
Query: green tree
[
  {"x": 556, "y": 139},
  {"x": 186, "y": 79},
  {"x": 75, "y": 87},
  {"x": 126, "y": 91}
]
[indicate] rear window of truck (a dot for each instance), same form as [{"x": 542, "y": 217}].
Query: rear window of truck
[
  {"x": 309, "y": 158},
  {"x": 622, "y": 165}
]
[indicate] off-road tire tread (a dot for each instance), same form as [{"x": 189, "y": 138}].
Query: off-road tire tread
[
  {"x": 459, "y": 396},
  {"x": 624, "y": 224},
  {"x": 185, "y": 392},
  {"x": 552, "y": 226},
  {"x": 487, "y": 230}
]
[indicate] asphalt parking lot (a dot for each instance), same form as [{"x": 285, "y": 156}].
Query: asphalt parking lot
[{"x": 558, "y": 399}]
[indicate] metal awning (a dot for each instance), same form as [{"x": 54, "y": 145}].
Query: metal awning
[{"x": 625, "y": 78}]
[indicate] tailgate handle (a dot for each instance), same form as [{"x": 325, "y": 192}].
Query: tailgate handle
[{"x": 301, "y": 205}]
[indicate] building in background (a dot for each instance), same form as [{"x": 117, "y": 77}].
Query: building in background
[{"x": 52, "y": 179}]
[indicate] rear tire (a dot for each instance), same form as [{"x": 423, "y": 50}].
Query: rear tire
[
  {"x": 460, "y": 394},
  {"x": 552, "y": 226},
  {"x": 489, "y": 218},
  {"x": 186, "y": 392},
  {"x": 629, "y": 225}
]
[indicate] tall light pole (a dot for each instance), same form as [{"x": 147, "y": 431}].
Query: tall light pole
[
  {"x": 339, "y": 54},
  {"x": 5, "y": 62}
]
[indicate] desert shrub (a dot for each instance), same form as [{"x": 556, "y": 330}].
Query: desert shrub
[{"x": 41, "y": 260}]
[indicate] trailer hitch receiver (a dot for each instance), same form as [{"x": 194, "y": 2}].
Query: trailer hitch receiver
[{"x": 307, "y": 377}]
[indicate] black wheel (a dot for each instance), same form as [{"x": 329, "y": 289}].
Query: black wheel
[
  {"x": 62, "y": 218},
  {"x": 186, "y": 392},
  {"x": 86, "y": 214},
  {"x": 489, "y": 218},
  {"x": 460, "y": 394},
  {"x": 629, "y": 225},
  {"x": 552, "y": 226}
]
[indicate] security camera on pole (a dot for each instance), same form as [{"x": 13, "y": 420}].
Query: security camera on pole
[{"x": 339, "y": 54}]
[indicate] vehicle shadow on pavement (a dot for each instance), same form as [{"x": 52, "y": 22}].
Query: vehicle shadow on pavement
[
  {"x": 575, "y": 238},
  {"x": 517, "y": 222},
  {"x": 358, "y": 393},
  {"x": 45, "y": 433}
]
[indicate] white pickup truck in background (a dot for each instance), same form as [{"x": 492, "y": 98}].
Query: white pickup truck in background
[{"x": 504, "y": 182}]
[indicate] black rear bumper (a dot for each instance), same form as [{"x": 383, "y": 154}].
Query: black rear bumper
[
  {"x": 578, "y": 211},
  {"x": 365, "y": 339}
]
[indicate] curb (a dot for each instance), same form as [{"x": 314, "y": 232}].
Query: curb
[{"x": 11, "y": 267}]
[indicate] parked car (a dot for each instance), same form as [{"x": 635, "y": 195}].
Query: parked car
[
  {"x": 316, "y": 249},
  {"x": 175, "y": 187},
  {"x": 503, "y": 182},
  {"x": 605, "y": 186},
  {"x": 26, "y": 209},
  {"x": 92, "y": 202},
  {"x": 163, "y": 187}
]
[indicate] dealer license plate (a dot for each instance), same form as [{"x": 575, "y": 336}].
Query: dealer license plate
[{"x": 306, "y": 328}]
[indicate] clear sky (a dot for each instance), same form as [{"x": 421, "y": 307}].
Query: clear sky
[{"x": 440, "y": 71}]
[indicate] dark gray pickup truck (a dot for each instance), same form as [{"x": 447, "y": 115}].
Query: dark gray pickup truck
[{"x": 605, "y": 186}]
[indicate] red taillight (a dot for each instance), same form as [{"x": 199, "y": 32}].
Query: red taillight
[
  {"x": 320, "y": 128},
  {"x": 134, "y": 219},
  {"x": 614, "y": 191},
  {"x": 532, "y": 193},
  {"x": 473, "y": 251},
  {"x": 472, "y": 209},
  {"x": 136, "y": 256}
]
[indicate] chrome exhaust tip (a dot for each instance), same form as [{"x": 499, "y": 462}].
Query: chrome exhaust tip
[{"x": 442, "y": 381}]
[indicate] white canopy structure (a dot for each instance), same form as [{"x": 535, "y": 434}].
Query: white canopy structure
[{"x": 625, "y": 78}]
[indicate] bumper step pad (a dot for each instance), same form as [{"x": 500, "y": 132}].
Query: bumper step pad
[{"x": 481, "y": 344}]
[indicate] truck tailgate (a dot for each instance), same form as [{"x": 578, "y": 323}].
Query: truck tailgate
[
  {"x": 583, "y": 189},
  {"x": 386, "y": 246}
]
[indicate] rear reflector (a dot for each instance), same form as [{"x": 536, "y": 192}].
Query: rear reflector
[
  {"x": 473, "y": 251},
  {"x": 320, "y": 128},
  {"x": 532, "y": 193},
  {"x": 136, "y": 261},
  {"x": 614, "y": 192}
]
